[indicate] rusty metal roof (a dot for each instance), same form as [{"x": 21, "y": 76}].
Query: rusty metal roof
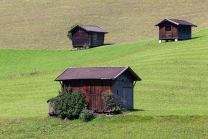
[
  {"x": 103, "y": 73},
  {"x": 176, "y": 22},
  {"x": 90, "y": 28}
]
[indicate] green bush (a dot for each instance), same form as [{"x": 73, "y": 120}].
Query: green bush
[
  {"x": 69, "y": 35},
  {"x": 86, "y": 115},
  {"x": 68, "y": 104},
  {"x": 114, "y": 107}
]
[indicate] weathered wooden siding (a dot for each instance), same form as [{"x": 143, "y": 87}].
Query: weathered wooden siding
[
  {"x": 80, "y": 38},
  {"x": 168, "y": 35},
  {"x": 123, "y": 90},
  {"x": 184, "y": 32},
  {"x": 96, "y": 39},
  {"x": 180, "y": 32},
  {"x": 92, "y": 90}
]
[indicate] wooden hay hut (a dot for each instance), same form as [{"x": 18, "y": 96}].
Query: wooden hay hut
[
  {"x": 87, "y": 35},
  {"x": 92, "y": 82},
  {"x": 174, "y": 29}
]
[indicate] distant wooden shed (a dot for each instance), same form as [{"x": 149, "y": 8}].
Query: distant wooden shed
[
  {"x": 87, "y": 35},
  {"x": 92, "y": 82},
  {"x": 174, "y": 29}
]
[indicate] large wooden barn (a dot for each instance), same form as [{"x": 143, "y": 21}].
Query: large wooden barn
[
  {"x": 87, "y": 35},
  {"x": 174, "y": 29},
  {"x": 92, "y": 82}
]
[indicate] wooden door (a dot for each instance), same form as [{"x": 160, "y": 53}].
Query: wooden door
[{"x": 128, "y": 97}]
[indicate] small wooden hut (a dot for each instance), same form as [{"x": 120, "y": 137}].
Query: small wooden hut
[
  {"x": 174, "y": 29},
  {"x": 87, "y": 35},
  {"x": 92, "y": 82}
]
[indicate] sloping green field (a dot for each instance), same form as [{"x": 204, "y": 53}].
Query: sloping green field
[
  {"x": 170, "y": 101},
  {"x": 174, "y": 75}
]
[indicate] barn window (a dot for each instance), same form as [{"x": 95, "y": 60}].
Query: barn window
[{"x": 167, "y": 28}]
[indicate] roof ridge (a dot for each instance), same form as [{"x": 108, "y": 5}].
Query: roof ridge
[
  {"x": 100, "y": 67},
  {"x": 176, "y": 22},
  {"x": 104, "y": 72},
  {"x": 171, "y": 20},
  {"x": 121, "y": 72}
]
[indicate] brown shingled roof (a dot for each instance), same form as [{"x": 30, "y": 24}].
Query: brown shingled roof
[
  {"x": 177, "y": 22},
  {"x": 95, "y": 73},
  {"x": 90, "y": 28}
]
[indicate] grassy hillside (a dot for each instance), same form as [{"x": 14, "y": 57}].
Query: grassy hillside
[
  {"x": 174, "y": 80},
  {"x": 133, "y": 126},
  {"x": 44, "y": 23},
  {"x": 171, "y": 99}
]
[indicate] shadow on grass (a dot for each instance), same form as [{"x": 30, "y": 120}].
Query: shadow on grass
[
  {"x": 136, "y": 110},
  {"x": 196, "y": 37},
  {"x": 193, "y": 38},
  {"x": 108, "y": 44}
]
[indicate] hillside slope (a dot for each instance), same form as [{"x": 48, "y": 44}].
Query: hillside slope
[
  {"x": 44, "y": 24},
  {"x": 174, "y": 75}
]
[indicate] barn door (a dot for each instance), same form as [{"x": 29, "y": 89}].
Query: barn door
[{"x": 128, "y": 97}]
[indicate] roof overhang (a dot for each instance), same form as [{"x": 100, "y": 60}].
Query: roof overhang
[
  {"x": 176, "y": 22},
  {"x": 89, "y": 28},
  {"x": 95, "y": 73}
]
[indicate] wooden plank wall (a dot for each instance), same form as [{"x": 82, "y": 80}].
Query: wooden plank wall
[
  {"x": 92, "y": 90},
  {"x": 80, "y": 38},
  {"x": 97, "y": 39},
  {"x": 184, "y": 32},
  {"x": 168, "y": 35},
  {"x": 120, "y": 86}
]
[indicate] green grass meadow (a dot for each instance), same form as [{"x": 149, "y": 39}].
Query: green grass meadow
[
  {"x": 124, "y": 126},
  {"x": 171, "y": 101}
]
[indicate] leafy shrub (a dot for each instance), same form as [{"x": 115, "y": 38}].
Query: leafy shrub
[
  {"x": 68, "y": 104},
  {"x": 111, "y": 104},
  {"x": 69, "y": 35},
  {"x": 86, "y": 115}
]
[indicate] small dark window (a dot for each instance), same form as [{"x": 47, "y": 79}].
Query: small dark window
[{"x": 167, "y": 28}]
